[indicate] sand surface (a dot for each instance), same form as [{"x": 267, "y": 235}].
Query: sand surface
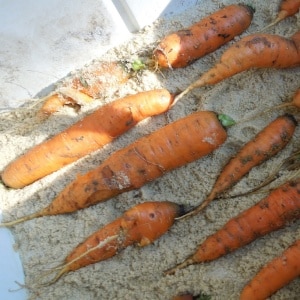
[{"x": 136, "y": 273}]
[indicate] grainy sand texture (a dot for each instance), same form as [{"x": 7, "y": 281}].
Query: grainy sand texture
[{"x": 137, "y": 273}]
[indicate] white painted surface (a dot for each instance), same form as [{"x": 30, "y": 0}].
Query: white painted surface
[{"x": 10, "y": 268}]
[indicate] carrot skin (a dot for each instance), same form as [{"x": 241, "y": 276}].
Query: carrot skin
[
  {"x": 142, "y": 224},
  {"x": 181, "y": 48},
  {"x": 148, "y": 158},
  {"x": 89, "y": 134},
  {"x": 274, "y": 275}
]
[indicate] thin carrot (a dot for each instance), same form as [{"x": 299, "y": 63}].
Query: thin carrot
[
  {"x": 273, "y": 276},
  {"x": 181, "y": 48},
  {"x": 268, "y": 142},
  {"x": 89, "y": 134},
  {"x": 141, "y": 224},
  {"x": 93, "y": 82},
  {"x": 146, "y": 159},
  {"x": 273, "y": 212},
  {"x": 287, "y": 8},
  {"x": 253, "y": 51}
]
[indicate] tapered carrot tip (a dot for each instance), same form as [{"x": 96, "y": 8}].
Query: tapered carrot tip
[
  {"x": 38, "y": 214},
  {"x": 184, "y": 264},
  {"x": 281, "y": 15}
]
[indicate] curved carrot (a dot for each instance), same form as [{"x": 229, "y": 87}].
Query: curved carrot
[
  {"x": 273, "y": 212},
  {"x": 146, "y": 159},
  {"x": 253, "y": 51},
  {"x": 89, "y": 134},
  {"x": 142, "y": 224},
  {"x": 268, "y": 142},
  {"x": 181, "y": 48},
  {"x": 287, "y": 8},
  {"x": 93, "y": 82},
  {"x": 275, "y": 275}
]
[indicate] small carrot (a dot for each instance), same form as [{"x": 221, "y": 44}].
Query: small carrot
[
  {"x": 142, "y": 225},
  {"x": 287, "y": 8},
  {"x": 89, "y": 134},
  {"x": 273, "y": 212},
  {"x": 268, "y": 142},
  {"x": 275, "y": 275},
  {"x": 184, "y": 297},
  {"x": 253, "y": 51},
  {"x": 181, "y": 48},
  {"x": 96, "y": 81},
  {"x": 146, "y": 159}
]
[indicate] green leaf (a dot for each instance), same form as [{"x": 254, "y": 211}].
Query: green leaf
[{"x": 225, "y": 120}]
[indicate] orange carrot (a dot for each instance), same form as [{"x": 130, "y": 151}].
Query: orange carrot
[
  {"x": 146, "y": 159},
  {"x": 181, "y": 48},
  {"x": 275, "y": 275},
  {"x": 253, "y": 51},
  {"x": 142, "y": 225},
  {"x": 273, "y": 212},
  {"x": 268, "y": 142},
  {"x": 89, "y": 134},
  {"x": 93, "y": 82},
  {"x": 287, "y": 8}
]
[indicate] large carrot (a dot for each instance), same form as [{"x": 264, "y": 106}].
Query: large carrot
[
  {"x": 273, "y": 212},
  {"x": 181, "y": 48},
  {"x": 275, "y": 275},
  {"x": 95, "y": 81},
  {"x": 253, "y": 51},
  {"x": 89, "y": 134},
  {"x": 142, "y": 224},
  {"x": 268, "y": 142},
  {"x": 146, "y": 159},
  {"x": 287, "y": 8}
]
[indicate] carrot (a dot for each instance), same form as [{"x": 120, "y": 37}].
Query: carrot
[
  {"x": 268, "y": 142},
  {"x": 253, "y": 51},
  {"x": 89, "y": 134},
  {"x": 275, "y": 275},
  {"x": 287, "y": 8},
  {"x": 93, "y": 82},
  {"x": 141, "y": 224},
  {"x": 146, "y": 159},
  {"x": 273, "y": 212},
  {"x": 181, "y": 48}
]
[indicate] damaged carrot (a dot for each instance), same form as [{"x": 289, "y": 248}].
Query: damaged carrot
[
  {"x": 89, "y": 134},
  {"x": 146, "y": 159},
  {"x": 181, "y": 48},
  {"x": 97, "y": 81},
  {"x": 141, "y": 225}
]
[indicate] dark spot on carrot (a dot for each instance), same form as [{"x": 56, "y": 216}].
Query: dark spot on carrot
[{"x": 224, "y": 35}]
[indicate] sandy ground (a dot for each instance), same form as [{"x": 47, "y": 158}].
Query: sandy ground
[{"x": 136, "y": 273}]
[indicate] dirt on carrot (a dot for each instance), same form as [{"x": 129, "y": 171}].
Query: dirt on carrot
[{"x": 134, "y": 272}]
